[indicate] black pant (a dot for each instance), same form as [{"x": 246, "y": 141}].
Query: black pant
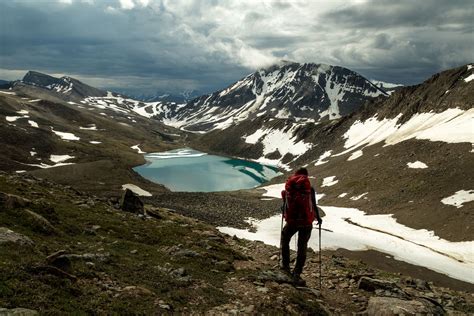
[{"x": 304, "y": 233}]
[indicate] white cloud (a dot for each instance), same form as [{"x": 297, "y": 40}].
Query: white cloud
[{"x": 127, "y": 4}]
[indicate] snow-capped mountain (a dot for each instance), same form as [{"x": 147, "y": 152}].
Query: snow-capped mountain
[{"x": 289, "y": 91}]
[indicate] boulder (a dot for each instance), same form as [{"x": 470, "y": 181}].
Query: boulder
[
  {"x": 276, "y": 276},
  {"x": 378, "y": 286},
  {"x": 11, "y": 201},
  {"x": 39, "y": 223},
  {"x": 388, "y": 306},
  {"x": 7, "y": 235},
  {"x": 130, "y": 202}
]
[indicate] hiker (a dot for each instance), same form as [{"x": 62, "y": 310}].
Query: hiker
[{"x": 299, "y": 211}]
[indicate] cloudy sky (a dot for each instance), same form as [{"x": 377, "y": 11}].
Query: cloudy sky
[{"x": 175, "y": 45}]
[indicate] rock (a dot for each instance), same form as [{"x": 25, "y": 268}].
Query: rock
[
  {"x": 60, "y": 261},
  {"x": 180, "y": 272},
  {"x": 7, "y": 235},
  {"x": 274, "y": 257},
  {"x": 18, "y": 312},
  {"x": 187, "y": 253},
  {"x": 101, "y": 257},
  {"x": 130, "y": 202},
  {"x": 381, "y": 286},
  {"x": 134, "y": 251},
  {"x": 262, "y": 289},
  {"x": 11, "y": 201},
  {"x": 277, "y": 276},
  {"x": 40, "y": 223},
  {"x": 135, "y": 291},
  {"x": 387, "y": 306}
]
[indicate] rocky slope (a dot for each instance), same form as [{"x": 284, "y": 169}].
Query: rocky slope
[
  {"x": 378, "y": 151},
  {"x": 63, "y": 251},
  {"x": 76, "y": 143}
]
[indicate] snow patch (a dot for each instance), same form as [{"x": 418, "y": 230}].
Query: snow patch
[
  {"x": 355, "y": 155},
  {"x": 33, "y": 123},
  {"x": 321, "y": 158},
  {"x": 417, "y": 165},
  {"x": 60, "y": 158},
  {"x": 136, "y": 189},
  {"x": 459, "y": 198},
  {"x": 95, "y": 142},
  {"x": 469, "y": 78},
  {"x": 329, "y": 181},
  {"x": 138, "y": 149},
  {"x": 342, "y": 195},
  {"x": 358, "y": 197},
  {"x": 65, "y": 135}
]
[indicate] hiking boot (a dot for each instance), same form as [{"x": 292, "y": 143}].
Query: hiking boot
[
  {"x": 297, "y": 280},
  {"x": 285, "y": 269}
]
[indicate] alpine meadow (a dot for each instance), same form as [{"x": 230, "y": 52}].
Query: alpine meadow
[{"x": 253, "y": 157}]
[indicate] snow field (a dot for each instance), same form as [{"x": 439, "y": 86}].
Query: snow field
[
  {"x": 278, "y": 140},
  {"x": 354, "y": 230},
  {"x": 451, "y": 126},
  {"x": 177, "y": 153}
]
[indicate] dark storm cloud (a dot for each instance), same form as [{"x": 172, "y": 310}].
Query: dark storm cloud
[
  {"x": 405, "y": 13},
  {"x": 404, "y": 41},
  {"x": 175, "y": 45}
]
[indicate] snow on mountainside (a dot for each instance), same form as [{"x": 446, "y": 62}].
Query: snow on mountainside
[
  {"x": 440, "y": 109},
  {"x": 309, "y": 92},
  {"x": 386, "y": 86}
]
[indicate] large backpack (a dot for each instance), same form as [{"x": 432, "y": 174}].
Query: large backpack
[{"x": 298, "y": 206}]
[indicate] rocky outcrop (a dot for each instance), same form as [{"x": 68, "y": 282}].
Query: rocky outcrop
[
  {"x": 388, "y": 306},
  {"x": 11, "y": 201},
  {"x": 18, "y": 312},
  {"x": 9, "y": 236},
  {"x": 130, "y": 202}
]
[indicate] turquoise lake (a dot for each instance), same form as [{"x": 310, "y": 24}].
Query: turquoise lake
[{"x": 189, "y": 170}]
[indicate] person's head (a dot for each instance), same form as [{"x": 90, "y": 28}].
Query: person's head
[{"x": 302, "y": 171}]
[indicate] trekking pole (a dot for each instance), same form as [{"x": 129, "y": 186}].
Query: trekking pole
[
  {"x": 281, "y": 229},
  {"x": 320, "y": 262}
]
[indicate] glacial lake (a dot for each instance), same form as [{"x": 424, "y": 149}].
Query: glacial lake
[{"x": 188, "y": 170}]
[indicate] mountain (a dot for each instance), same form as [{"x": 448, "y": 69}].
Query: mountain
[
  {"x": 386, "y": 86},
  {"x": 64, "y": 87},
  {"x": 401, "y": 155},
  {"x": 94, "y": 139},
  {"x": 4, "y": 84},
  {"x": 310, "y": 92},
  {"x": 67, "y": 154},
  {"x": 163, "y": 96}
]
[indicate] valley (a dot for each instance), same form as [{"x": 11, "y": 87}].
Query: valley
[{"x": 407, "y": 155}]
